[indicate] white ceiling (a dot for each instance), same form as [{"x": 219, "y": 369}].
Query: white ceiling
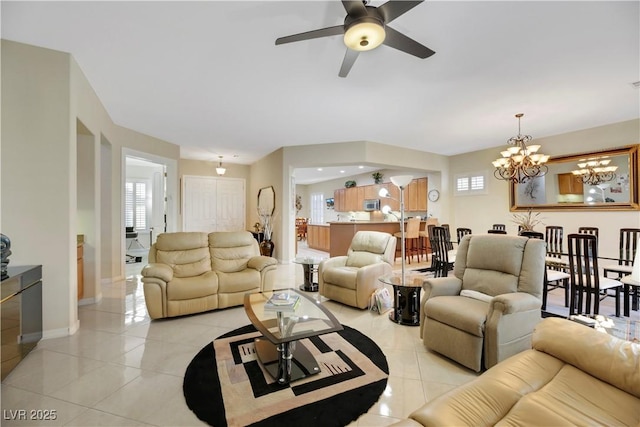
[{"x": 207, "y": 75}]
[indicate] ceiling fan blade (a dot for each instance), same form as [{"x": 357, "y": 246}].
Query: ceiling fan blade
[
  {"x": 401, "y": 42},
  {"x": 355, "y": 8},
  {"x": 349, "y": 58},
  {"x": 392, "y": 9},
  {"x": 323, "y": 32}
]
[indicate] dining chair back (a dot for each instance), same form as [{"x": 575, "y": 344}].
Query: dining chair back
[
  {"x": 532, "y": 234},
  {"x": 587, "y": 287},
  {"x": 440, "y": 255},
  {"x": 499, "y": 227},
  {"x": 589, "y": 230},
  {"x": 461, "y": 232},
  {"x": 448, "y": 231},
  {"x": 494, "y": 231},
  {"x": 554, "y": 235}
]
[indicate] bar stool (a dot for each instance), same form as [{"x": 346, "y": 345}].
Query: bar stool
[{"x": 411, "y": 238}]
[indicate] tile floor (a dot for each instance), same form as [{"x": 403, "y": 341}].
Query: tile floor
[{"x": 122, "y": 369}]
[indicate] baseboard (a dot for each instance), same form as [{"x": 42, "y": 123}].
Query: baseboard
[{"x": 61, "y": 332}]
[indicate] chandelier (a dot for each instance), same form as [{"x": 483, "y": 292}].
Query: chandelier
[
  {"x": 595, "y": 171},
  {"x": 520, "y": 162}
]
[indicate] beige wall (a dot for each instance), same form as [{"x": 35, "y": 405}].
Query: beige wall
[
  {"x": 44, "y": 94},
  {"x": 481, "y": 211}
]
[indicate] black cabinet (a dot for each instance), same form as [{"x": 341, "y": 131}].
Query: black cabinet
[{"x": 20, "y": 313}]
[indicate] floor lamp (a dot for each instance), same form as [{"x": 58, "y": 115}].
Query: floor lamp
[{"x": 400, "y": 181}]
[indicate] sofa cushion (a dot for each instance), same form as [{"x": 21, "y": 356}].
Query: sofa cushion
[
  {"x": 182, "y": 241},
  {"x": 610, "y": 359},
  {"x": 473, "y": 313},
  {"x": 186, "y": 253},
  {"x": 231, "y": 250},
  {"x": 367, "y": 248},
  {"x": 572, "y": 398},
  {"x": 192, "y": 287},
  {"x": 241, "y": 281},
  {"x": 341, "y": 276}
]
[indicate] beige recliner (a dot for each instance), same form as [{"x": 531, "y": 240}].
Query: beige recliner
[
  {"x": 487, "y": 310},
  {"x": 352, "y": 278},
  {"x": 192, "y": 272}
]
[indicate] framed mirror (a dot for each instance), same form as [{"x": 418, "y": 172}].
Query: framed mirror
[
  {"x": 267, "y": 200},
  {"x": 562, "y": 189}
]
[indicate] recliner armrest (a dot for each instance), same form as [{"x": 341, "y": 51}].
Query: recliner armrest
[
  {"x": 439, "y": 286},
  {"x": 515, "y": 302},
  {"x": 338, "y": 261},
  {"x": 260, "y": 262},
  {"x": 157, "y": 270}
]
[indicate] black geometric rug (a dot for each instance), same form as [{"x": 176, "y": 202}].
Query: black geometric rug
[{"x": 225, "y": 385}]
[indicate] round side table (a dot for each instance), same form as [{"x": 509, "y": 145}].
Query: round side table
[
  {"x": 406, "y": 298},
  {"x": 309, "y": 267}
]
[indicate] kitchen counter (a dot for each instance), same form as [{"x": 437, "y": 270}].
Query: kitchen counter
[{"x": 342, "y": 232}]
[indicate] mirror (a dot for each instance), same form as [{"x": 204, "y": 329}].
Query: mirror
[
  {"x": 267, "y": 200},
  {"x": 559, "y": 189}
]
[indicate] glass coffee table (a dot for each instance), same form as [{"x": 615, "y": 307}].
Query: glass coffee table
[{"x": 281, "y": 328}]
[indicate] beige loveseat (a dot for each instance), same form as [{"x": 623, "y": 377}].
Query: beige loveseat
[
  {"x": 192, "y": 272},
  {"x": 573, "y": 376}
]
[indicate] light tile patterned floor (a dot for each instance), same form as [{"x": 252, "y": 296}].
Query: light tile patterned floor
[{"x": 122, "y": 369}]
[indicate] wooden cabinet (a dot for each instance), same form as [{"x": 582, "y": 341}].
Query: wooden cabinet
[
  {"x": 352, "y": 199},
  {"x": 318, "y": 237},
  {"x": 568, "y": 184},
  {"x": 416, "y": 195}
]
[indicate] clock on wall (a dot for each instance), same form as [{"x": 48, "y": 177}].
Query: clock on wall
[{"x": 434, "y": 195}]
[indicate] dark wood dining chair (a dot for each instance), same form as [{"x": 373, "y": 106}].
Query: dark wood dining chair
[
  {"x": 494, "y": 231},
  {"x": 587, "y": 286},
  {"x": 461, "y": 232},
  {"x": 448, "y": 231},
  {"x": 438, "y": 239},
  {"x": 498, "y": 227},
  {"x": 628, "y": 245}
]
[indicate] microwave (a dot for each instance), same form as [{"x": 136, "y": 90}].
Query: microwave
[{"x": 371, "y": 205}]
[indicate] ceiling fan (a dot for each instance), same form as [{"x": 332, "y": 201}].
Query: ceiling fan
[{"x": 365, "y": 28}]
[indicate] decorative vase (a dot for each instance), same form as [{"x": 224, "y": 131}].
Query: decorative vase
[{"x": 266, "y": 248}]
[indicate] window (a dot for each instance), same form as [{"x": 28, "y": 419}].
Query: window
[
  {"x": 136, "y": 206},
  {"x": 317, "y": 208},
  {"x": 470, "y": 184}
]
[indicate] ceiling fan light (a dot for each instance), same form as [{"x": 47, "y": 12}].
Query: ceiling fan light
[{"x": 364, "y": 36}]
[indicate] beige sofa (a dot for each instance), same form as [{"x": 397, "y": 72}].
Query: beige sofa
[
  {"x": 192, "y": 272},
  {"x": 574, "y": 375}
]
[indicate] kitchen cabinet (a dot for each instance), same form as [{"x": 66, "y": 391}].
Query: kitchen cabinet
[
  {"x": 416, "y": 195},
  {"x": 339, "y": 200},
  {"x": 568, "y": 184},
  {"x": 318, "y": 237}
]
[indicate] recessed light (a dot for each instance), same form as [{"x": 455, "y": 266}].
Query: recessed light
[
  {"x": 341, "y": 171},
  {"x": 360, "y": 167},
  {"x": 319, "y": 169}
]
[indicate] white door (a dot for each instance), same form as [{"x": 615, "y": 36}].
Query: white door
[
  {"x": 230, "y": 210},
  {"x": 158, "y": 211},
  {"x": 213, "y": 204}
]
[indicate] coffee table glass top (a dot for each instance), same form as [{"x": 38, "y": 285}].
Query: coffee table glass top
[{"x": 310, "y": 318}]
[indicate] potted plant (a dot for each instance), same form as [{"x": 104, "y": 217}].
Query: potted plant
[
  {"x": 377, "y": 177},
  {"x": 349, "y": 184},
  {"x": 527, "y": 221}
]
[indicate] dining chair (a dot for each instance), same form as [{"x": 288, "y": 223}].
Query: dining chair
[
  {"x": 499, "y": 227},
  {"x": 448, "y": 232},
  {"x": 440, "y": 257},
  {"x": 461, "y": 232},
  {"x": 587, "y": 286},
  {"x": 628, "y": 245},
  {"x": 495, "y": 231},
  {"x": 556, "y": 260},
  {"x": 554, "y": 277}
]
